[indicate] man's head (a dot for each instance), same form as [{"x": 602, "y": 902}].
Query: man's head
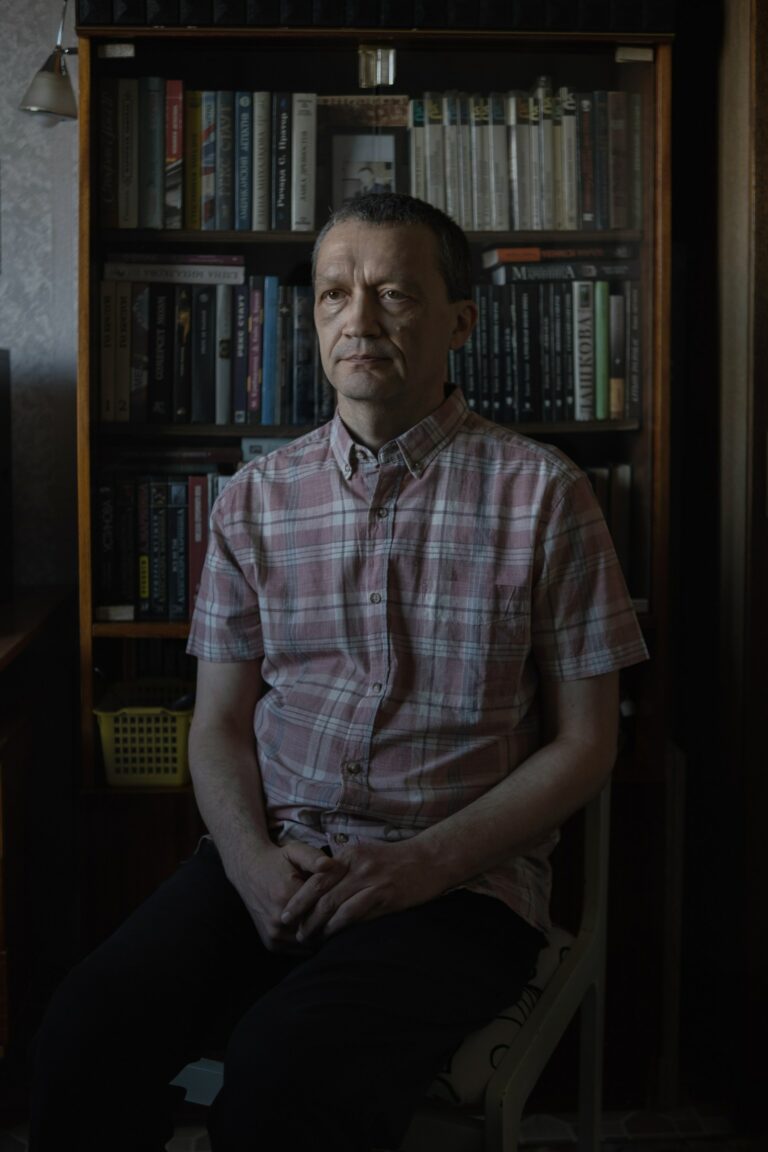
[
  {"x": 454, "y": 258},
  {"x": 392, "y": 279}
]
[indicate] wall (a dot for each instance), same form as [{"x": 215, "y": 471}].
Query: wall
[{"x": 38, "y": 300}]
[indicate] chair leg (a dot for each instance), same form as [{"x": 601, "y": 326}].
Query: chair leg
[{"x": 591, "y": 1070}]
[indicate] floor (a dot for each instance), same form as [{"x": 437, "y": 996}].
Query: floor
[{"x": 679, "y": 1130}]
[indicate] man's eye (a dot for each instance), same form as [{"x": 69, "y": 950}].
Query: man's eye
[
  {"x": 332, "y": 295},
  {"x": 393, "y": 294}
]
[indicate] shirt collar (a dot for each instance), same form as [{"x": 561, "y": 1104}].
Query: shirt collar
[{"x": 418, "y": 447}]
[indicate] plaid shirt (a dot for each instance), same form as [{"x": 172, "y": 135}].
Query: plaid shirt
[{"x": 403, "y": 608}]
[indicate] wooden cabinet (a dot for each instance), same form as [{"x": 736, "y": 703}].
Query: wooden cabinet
[{"x": 326, "y": 62}]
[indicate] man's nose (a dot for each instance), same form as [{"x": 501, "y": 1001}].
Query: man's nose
[{"x": 361, "y": 316}]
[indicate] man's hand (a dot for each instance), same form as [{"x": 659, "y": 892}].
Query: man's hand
[
  {"x": 375, "y": 879},
  {"x": 270, "y": 882}
]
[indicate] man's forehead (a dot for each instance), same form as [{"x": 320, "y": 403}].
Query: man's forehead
[{"x": 405, "y": 244}]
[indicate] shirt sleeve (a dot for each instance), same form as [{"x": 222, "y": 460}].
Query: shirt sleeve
[
  {"x": 584, "y": 623},
  {"x": 226, "y": 623}
]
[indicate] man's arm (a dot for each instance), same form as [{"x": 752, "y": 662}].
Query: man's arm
[
  {"x": 228, "y": 789},
  {"x": 581, "y": 722}
]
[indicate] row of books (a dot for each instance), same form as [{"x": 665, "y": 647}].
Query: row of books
[
  {"x": 198, "y": 342},
  {"x": 554, "y": 350},
  {"x": 545, "y": 159},
  {"x": 175, "y": 157},
  {"x": 539, "y": 15},
  {"x": 612, "y": 484},
  {"x": 151, "y": 527}
]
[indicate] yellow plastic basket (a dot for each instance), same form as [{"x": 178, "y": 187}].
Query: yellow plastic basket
[{"x": 144, "y": 727}]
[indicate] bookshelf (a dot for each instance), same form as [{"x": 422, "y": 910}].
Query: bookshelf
[{"x": 325, "y": 61}]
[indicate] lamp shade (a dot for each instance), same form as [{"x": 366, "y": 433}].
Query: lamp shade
[{"x": 51, "y": 92}]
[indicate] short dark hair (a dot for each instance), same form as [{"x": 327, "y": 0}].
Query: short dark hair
[{"x": 454, "y": 257}]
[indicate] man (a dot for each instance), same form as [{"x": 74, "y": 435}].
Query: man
[{"x": 409, "y": 632}]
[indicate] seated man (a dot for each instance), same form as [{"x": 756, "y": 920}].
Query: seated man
[{"x": 409, "y": 633}]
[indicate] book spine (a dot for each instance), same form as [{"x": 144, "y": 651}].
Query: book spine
[
  {"x": 243, "y": 165},
  {"x": 107, "y": 309},
  {"x": 176, "y": 273},
  {"x": 634, "y": 350},
  {"x": 568, "y": 354},
  {"x": 104, "y": 558},
  {"x": 635, "y": 132},
  {"x": 229, "y": 13},
  {"x": 182, "y": 355},
  {"x": 281, "y": 160},
  {"x": 558, "y": 192},
  {"x": 482, "y": 359},
  {"x": 303, "y": 161},
  {"x": 224, "y": 183},
  {"x": 543, "y": 304},
  {"x": 602, "y": 349},
  {"x": 617, "y": 382},
  {"x": 240, "y": 311},
  {"x": 193, "y": 170},
  {"x": 543, "y": 96},
  {"x": 108, "y": 152},
  {"x": 270, "y": 351},
  {"x": 203, "y": 354},
  {"x": 303, "y": 349},
  {"x": 512, "y": 159},
  {"x": 139, "y": 374},
  {"x": 173, "y": 191},
  {"x": 176, "y": 548},
  {"x": 129, "y": 12},
  {"x": 224, "y": 329},
  {"x": 195, "y": 13},
  {"x": 255, "y": 335},
  {"x": 151, "y": 151},
  {"x": 570, "y": 158},
  {"x": 128, "y": 152},
  {"x": 208, "y": 160},
  {"x": 586, "y": 150},
  {"x": 498, "y": 167},
  {"x": 525, "y": 221},
  {"x": 282, "y": 403},
  {"x": 584, "y": 349},
  {"x": 481, "y": 161},
  {"x": 418, "y": 176},
  {"x": 122, "y": 352},
  {"x": 163, "y": 13},
  {"x": 197, "y": 541},
  {"x": 142, "y": 547},
  {"x": 158, "y": 548},
  {"x": 511, "y": 354},
  {"x": 566, "y": 270},
  {"x": 465, "y": 161},
  {"x": 451, "y": 154},
  {"x": 530, "y": 330},
  {"x": 433, "y": 149},
  {"x": 618, "y": 155},
  {"x": 495, "y": 353},
  {"x": 125, "y": 542},
  {"x": 535, "y": 163},
  {"x": 262, "y": 161},
  {"x": 160, "y": 352},
  {"x": 557, "y": 292},
  {"x": 602, "y": 195}
]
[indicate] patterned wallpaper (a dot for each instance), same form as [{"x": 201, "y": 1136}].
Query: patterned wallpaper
[{"x": 38, "y": 304}]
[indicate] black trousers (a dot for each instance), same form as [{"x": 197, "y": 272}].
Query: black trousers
[{"x": 328, "y": 1052}]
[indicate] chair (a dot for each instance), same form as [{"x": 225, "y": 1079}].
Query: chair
[{"x": 475, "y": 1104}]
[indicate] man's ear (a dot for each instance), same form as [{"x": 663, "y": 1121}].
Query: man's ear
[{"x": 465, "y": 320}]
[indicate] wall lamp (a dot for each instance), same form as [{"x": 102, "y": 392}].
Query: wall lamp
[{"x": 50, "y": 93}]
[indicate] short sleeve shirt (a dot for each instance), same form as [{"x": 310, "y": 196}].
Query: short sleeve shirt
[{"x": 404, "y": 606}]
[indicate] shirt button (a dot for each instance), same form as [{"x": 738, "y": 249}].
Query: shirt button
[
  {"x": 353, "y": 768},
  {"x": 376, "y": 687},
  {"x": 375, "y": 597},
  {"x": 382, "y": 513},
  {"x": 341, "y": 838}
]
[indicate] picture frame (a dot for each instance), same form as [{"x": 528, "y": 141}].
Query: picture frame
[{"x": 362, "y": 162}]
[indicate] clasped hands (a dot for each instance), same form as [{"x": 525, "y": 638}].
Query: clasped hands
[{"x": 300, "y": 895}]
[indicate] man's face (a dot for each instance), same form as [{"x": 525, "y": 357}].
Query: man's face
[{"x": 383, "y": 318}]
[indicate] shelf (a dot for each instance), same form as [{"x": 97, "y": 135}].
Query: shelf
[
  {"x": 190, "y": 432},
  {"x": 141, "y": 629},
  {"x": 132, "y": 236}
]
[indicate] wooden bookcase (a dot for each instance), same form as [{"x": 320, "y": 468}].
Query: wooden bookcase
[{"x": 141, "y": 833}]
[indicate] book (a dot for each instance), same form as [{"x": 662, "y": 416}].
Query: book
[
  {"x": 569, "y": 395},
  {"x": 261, "y": 181},
  {"x": 255, "y": 334},
  {"x": 94, "y": 12},
  {"x": 192, "y": 170},
  {"x": 269, "y": 375},
  {"x": 498, "y": 166},
  {"x": 416, "y": 147},
  {"x": 434, "y": 164},
  {"x": 303, "y": 161},
  {"x": 122, "y": 370},
  {"x": 240, "y": 333},
  {"x": 633, "y": 325},
  {"x": 243, "y": 161},
  {"x": 480, "y": 141},
  {"x": 510, "y": 354},
  {"x": 618, "y": 157},
  {"x": 568, "y": 218},
  {"x": 197, "y": 533},
  {"x": 181, "y": 401},
  {"x": 143, "y": 547},
  {"x": 635, "y": 160},
  {"x": 196, "y": 13},
  {"x": 129, "y": 12},
  {"x": 283, "y": 385},
  {"x": 451, "y": 155},
  {"x": 542, "y": 95},
  {"x": 161, "y": 341},
  {"x": 107, "y": 307},
  {"x": 162, "y": 13},
  {"x": 602, "y": 348},
  {"x": 108, "y": 146},
  {"x": 174, "y": 155},
  {"x": 465, "y": 161},
  {"x": 224, "y": 194},
  {"x": 229, "y": 13},
  {"x": 151, "y": 135},
  {"x": 177, "y": 548},
  {"x": 600, "y": 157},
  {"x": 328, "y": 13},
  {"x": 128, "y": 152},
  {"x": 566, "y": 270},
  {"x": 158, "y": 548},
  {"x": 520, "y": 175},
  {"x": 203, "y": 369},
  {"x": 583, "y": 349},
  {"x": 207, "y": 160},
  {"x": 303, "y": 358},
  {"x": 281, "y": 160},
  {"x": 139, "y": 354},
  {"x": 566, "y": 253},
  {"x": 223, "y": 371},
  {"x": 182, "y": 270},
  {"x": 535, "y": 163},
  {"x": 262, "y": 13},
  {"x": 529, "y": 399},
  {"x": 617, "y": 337},
  {"x": 586, "y": 159}
]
